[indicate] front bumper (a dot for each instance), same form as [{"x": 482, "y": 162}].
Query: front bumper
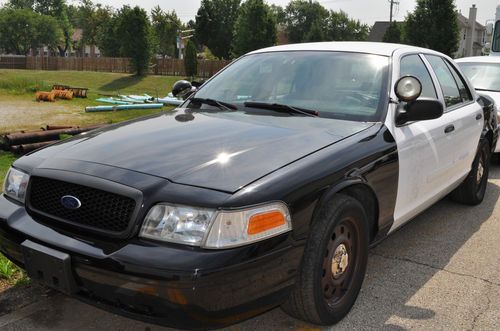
[{"x": 171, "y": 285}]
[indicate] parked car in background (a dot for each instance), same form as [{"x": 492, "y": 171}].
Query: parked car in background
[
  {"x": 484, "y": 74},
  {"x": 264, "y": 188}
]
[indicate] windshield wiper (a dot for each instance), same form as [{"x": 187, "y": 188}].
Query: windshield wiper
[
  {"x": 216, "y": 103},
  {"x": 281, "y": 108}
]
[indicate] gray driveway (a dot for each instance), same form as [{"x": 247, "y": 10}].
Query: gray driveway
[{"x": 441, "y": 271}]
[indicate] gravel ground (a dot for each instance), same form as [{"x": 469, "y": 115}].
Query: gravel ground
[
  {"x": 440, "y": 272},
  {"x": 18, "y": 114}
]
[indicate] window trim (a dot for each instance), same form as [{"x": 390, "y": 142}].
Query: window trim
[
  {"x": 461, "y": 104},
  {"x": 418, "y": 55},
  {"x": 461, "y": 76},
  {"x": 495, "y": 47},
  {"x": 429, "y": 69}
]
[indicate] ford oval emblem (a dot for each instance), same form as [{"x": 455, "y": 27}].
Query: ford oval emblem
[{"x": 70, "y": 202}]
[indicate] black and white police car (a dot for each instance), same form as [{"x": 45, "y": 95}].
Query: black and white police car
[{"x": 264, "y": 188}]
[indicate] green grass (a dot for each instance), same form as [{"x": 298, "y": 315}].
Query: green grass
[
  {"x": 28, "y": 81},
  {"x": 11, "y": 274},
  {"x": 6, "y": 160},
  {"x": 22, "y": 85},
  {"x": 8, "y": 271},
  {"x": 7, "y": 268}
]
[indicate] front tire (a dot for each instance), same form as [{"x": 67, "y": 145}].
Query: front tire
[
  {"x": 334, "y": 263},
  {"x": 472, "y": 190}
]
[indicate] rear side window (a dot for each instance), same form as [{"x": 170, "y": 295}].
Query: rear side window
[
  {"x": 451, "y": 92},
  {"x": 462, "y": 88},
  {"x": 414, "y": 66}
]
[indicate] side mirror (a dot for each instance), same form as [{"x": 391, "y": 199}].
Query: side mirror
[
  {"x": 197, "y": 84},
  {"x": 419, "y": 110},
  {"x": 183, "y": 89},
  {"x": 408, "y": 88}
]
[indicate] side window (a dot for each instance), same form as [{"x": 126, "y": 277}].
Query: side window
[
  {"x": 462, "y": 88},
  {"x": 448, "y": 84},
  {"x": 414, "y": 66}
]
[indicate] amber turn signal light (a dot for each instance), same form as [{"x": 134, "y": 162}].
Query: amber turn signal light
[{"x": 266, "y": 221}]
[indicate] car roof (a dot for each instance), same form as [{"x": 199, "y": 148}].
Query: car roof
[
  {"x": 479, "y": 59},
  {"x": 386, "y": 49}
]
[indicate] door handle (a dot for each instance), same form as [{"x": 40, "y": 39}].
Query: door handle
[
  {"x": 479, "y": 116},
  {"x": 449, "y": 128}
]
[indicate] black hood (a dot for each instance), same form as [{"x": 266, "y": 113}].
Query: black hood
[{"x": 219, "y": 150}]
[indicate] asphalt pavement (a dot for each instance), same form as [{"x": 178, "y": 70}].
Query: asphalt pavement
[{"x": 439, "y": 272}]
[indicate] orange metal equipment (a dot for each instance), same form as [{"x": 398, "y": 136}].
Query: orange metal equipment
[
  {"x": 63, "y": 94},
  {"x": 45, "y": 96},
  {"x": 78, "y": 92}
]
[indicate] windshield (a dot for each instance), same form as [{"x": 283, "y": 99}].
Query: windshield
[
  {"x": 484, "y": 76},
  {"x": 340, "y": 85}
]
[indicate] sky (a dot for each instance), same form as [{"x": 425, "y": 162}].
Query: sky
[{"x": 367, "y": 11}]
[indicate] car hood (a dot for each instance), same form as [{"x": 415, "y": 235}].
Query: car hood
[
  {"x": 494, "y": 95},
  {"x": 218, "y": 150}
]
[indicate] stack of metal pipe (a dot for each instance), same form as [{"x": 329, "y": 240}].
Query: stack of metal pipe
[{"x": 23, "y": 142}]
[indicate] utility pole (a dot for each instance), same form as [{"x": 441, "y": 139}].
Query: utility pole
[
  {"x": 392, "y": 2},
  {"x": 392, "y": 6},
  {"x": 180, "y": 41}
]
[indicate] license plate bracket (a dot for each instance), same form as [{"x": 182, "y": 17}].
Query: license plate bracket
[{"x": 48, "y": 266}]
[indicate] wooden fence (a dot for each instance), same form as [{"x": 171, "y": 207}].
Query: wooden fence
[
  {"x": 170, "y": 67},
  {"x": 175, "y": 67},
  {"x": 12, "y": 62},
  {"x": 78, "y": 64}
]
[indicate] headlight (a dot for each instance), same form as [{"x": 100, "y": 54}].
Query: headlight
[
  {"x": 179, "y": 224},
  {"x": 209, "y": 228},
  {"x": 15, "y": 184}
]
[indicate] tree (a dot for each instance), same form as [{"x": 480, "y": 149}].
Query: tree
[
  {"x": 22, "y": 30},
  {"x": 133, "y": 30},
  {"x": 54, "y": 8},
  {"x": 106, "y": 37},
  {"x": 255, "y": 27},
  {"x": 191, "y": 59},
  {"x": 91, "y": 18},
  {"x": 20, "y": 4},
  {"x": 279, "y": 13},
  {"x": 343, "y": 28},
  {"x": 433, "y": 25},
  {"x": 393, "y": 34},
  {"x": 305, "y": 21},
  {"x": 214, "y": 25},
  {"x": 165, "y": 26},
  {"x": 317, "y": 32}
]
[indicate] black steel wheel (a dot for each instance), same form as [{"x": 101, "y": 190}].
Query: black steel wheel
[
  {"x": 340, "y": 256},
  {"x": 334, "y": 263}
]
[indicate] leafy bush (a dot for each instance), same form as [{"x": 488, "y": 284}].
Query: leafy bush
[{"x": 191, "y": 61}]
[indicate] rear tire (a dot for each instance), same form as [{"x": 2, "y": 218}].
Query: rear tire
[
  {"x": 495, "y": 158},
  {"x": 334, "y": 263},
  {"x": 472, "y": 190}
]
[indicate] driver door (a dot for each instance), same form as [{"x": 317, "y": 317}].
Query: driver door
[{"x": 425, "y": 148}]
